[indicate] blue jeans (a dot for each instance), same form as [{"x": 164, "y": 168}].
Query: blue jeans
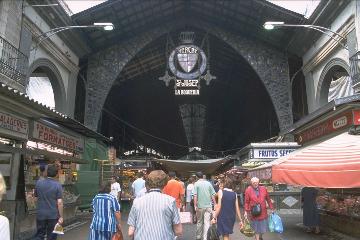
[{"x": 45, "y": 227}]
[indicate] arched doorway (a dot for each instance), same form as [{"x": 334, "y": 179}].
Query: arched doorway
[
  {"x": 40, "y": 89},
  {"x": 45, "y": 85},
  {"x": 334, "y": 82}
]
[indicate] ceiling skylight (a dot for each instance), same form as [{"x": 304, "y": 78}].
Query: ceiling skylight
[
  {"x": 304, "y": 7},
  {"x": 77, "y": 6}
]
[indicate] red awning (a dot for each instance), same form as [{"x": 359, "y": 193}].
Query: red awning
[{"x": 334, "y": 163}]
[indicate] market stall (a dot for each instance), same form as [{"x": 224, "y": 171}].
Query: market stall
[
  {"x": 334, "y": 166},
  {"x": 14, "y": 129},
  {"x": 32, "y": 134},
  {"x": 50, "y": 143},
  {"x": 260, "y": 154},
  {"x": 127, "y": 170},
  {"x": 329, "y": 160}
]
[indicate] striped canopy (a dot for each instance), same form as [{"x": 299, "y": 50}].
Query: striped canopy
[{"x": 334, "y": 163}]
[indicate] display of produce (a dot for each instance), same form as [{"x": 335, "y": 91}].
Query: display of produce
[
  {"x": 69, "y": 197},
  {"x": 340, "y": 204},
  {"x": 65, "y": 177},
  {"x": 127, "y": 176}
]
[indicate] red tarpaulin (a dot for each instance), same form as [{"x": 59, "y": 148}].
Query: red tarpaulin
[{"x": 334, "y": 163}]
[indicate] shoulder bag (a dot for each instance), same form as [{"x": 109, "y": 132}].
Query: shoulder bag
[{"x": 256, "y": 209}]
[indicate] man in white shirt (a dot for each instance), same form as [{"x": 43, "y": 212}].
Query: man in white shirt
[
  {"x": 115, "y": 188},
  {"x": 138, "y": 186}
]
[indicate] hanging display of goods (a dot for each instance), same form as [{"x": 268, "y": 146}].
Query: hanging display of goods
[{"x": 340, "y": 204}]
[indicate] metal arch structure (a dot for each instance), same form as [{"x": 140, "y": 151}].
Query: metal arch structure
[
  {"x": 128, "y": 52},
  {"x": 270, "y": 65},
  {"x": 131, "y": 17}
]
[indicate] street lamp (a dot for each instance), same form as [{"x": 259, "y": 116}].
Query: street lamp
[
  {"x": 338, "y": 38},
  {"x": 45, "y": 35},
  {"x": 327, "y": 31}
]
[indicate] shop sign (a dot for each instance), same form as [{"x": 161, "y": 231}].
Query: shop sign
[
  {"x": 14, "y": 124},
  {"x": 270, "y": 153},
  {"x": 58, "y": 138},
  {"x": 329, "y": 126}
]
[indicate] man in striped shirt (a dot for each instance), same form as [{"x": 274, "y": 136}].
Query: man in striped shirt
[
  {"x": 107, "y": 217},
  {"x": 155, "y": 215}
]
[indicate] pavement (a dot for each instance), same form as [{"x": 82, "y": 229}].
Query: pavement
[{"x": 292, "y": 220}]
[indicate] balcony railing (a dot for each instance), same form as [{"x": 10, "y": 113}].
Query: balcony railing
[{"x": 13, "y": 63}]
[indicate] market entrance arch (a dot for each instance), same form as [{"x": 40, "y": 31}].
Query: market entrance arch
[
  {"x": 232, "y": 110},
  {"x": 136, "y": 29}
]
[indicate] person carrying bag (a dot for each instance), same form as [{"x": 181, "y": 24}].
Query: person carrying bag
[
  {"x": 247, "y": 230},
  {"x": 256, "y": 198},
  {"x": 118, "y": 235}
]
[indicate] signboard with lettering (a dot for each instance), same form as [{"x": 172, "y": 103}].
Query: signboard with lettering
[
  {"x": 268, "y": 153},
  {"x": 187, "y": 65},
  {"x": 56, "y": 137},
  {"x": 14, "y": 125},
  {"x": 187, "y": 87},
  {"x": 326, "y": 127}
]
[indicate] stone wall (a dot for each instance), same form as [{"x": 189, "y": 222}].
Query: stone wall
[
  {"x": 270, "y": 64},
  {"x": 10, "y": 20}
]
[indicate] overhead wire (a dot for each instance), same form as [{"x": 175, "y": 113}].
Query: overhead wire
[{"x": 162, "y": 139}]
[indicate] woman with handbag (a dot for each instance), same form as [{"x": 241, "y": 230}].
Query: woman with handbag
[
  {"x": 226, "y": 209},
  {"x": 255, "y": 207},
  {"x": 106, "y": 221}
]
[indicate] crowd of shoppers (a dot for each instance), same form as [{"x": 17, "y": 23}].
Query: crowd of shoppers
[{"x": 158, "y": 202}]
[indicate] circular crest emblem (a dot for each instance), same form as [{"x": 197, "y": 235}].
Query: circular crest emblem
[{"x": 187, "y": 62}]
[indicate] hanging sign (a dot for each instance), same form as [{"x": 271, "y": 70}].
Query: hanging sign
[
  {"x": 187, "y": 64},
  {"x": 56, "y": 137},
  {"x": 14, "y": 125}
]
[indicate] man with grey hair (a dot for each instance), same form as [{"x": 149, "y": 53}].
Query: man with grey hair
[{"x": 155, "y": 215}]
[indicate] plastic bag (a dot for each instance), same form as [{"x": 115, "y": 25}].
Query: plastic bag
[
  {"x": 247, "y": 230},
  {"x": 271, "y": 223},
  {"x": 58, "y": 229},
  {"x": 278, "y": 226},
  {"x": 212, "y": 233}
]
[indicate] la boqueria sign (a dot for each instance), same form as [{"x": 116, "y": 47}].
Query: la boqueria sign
[{"x": 50, "y": 135}]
